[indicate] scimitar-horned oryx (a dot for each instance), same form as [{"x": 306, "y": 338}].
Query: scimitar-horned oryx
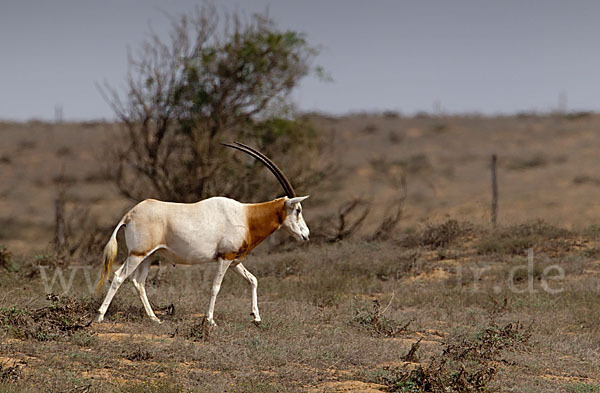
[{"x": 217, "y": 229}]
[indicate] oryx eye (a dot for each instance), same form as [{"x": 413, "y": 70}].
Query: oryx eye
[{"x": 297, "y": 212}]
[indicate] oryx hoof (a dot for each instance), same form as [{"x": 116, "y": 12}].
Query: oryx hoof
[
  {"x": 211, "y": 322},
  {"x": 257, "y": 321}
]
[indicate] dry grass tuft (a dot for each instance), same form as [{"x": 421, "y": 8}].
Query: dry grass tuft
[
  {"x": 516, "y": 239},
  {"x": 442, "y": 235},
  {"x": 195, "y": 330},
  {"x": 138, "y": 353},
  {"x": 437, "y": 236}
]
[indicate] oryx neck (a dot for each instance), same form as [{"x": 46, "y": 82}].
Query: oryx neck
[{"x": 263, "y": 219}]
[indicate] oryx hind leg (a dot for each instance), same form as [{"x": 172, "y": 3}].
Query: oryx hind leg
[
  {"x": 128, "y": 267},
  {"x": 242, "y": 271},
  {"x": 139, "y": 282}
]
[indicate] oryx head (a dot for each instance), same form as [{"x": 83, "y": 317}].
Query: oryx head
[{"x": 294, "y": 222}]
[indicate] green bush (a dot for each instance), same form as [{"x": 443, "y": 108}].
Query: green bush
[{"x": 206, "y": 86}]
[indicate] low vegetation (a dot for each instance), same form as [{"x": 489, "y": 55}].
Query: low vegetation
[
  {"x": 468, "y": 365},
  {"x": 518, "y": 238},
  {"x": 373, "y": 320},
  {"x": 393, "y": 315},
  {"x": 59, "y": 320}
]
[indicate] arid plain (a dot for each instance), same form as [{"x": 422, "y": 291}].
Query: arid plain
[{"x": 444, "y": 302}]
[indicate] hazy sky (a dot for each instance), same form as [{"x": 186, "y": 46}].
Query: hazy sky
[{"x": 478, "y": 55}]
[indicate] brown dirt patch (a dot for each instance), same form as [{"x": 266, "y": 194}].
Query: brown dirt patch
[
  {"x": 120, "y": 336},
  {"x": 349, "y": 387}
]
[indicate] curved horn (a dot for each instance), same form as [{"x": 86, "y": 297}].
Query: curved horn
[
  {"x": 287, "y": 186},
  {"x": 278, "y": 173}
]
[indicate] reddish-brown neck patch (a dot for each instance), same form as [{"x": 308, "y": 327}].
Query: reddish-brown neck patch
[{"x": 262, "y": 220}]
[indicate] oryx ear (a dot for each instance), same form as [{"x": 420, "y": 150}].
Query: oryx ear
[{"x": 293, "y": 201}]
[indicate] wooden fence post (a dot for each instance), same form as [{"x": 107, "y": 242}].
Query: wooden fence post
[{"x": 494, "y": 192}]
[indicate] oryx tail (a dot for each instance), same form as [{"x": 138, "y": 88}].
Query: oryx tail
[{"x": 110, "y": 254}]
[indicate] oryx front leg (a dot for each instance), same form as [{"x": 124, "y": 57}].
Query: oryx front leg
[
  {"x": 128, "y": 267},
  {"x": 139, "y": 282},
  {"x": 222, "y": 265},
  {"x": 242, "y": 271}
]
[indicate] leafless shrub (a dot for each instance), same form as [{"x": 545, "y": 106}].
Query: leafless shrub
[
  {"x": 76, "y": 232},
  {"x": 411, "y": 356},
  {"x": 195, "y": 331},
  {"x": 389, "y": 223},
  {"x": 373, "y": 320},
  {"x": 349, "y": 218},
  {"x": 352, "y": 214},
  {"x": 63, "y": 317},
  {"x": 467, "y": 366}
]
